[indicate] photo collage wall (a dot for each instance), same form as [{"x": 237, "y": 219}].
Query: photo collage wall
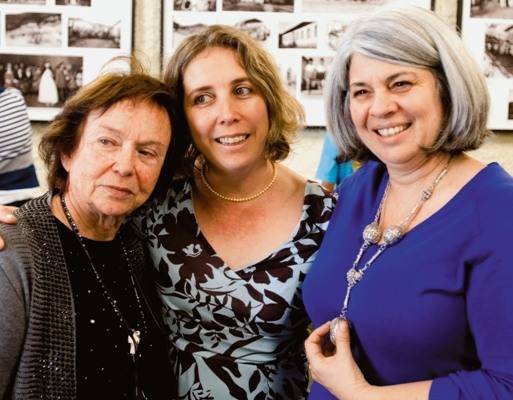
[
  {"x": 303, "y": 35},
  {"x": 50, "y": 48},
  {"x": 487, "y": 27}
]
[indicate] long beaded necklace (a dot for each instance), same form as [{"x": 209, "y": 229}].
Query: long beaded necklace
[
  {"x": 237, "y": 199},
  {"x": 372, "y": 235},
  {"x": 134, "y": 335}
]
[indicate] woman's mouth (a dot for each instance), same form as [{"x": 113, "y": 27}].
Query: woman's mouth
[
  {"x": 392, "y": 131},
  {"x": 232, "y": 140}
]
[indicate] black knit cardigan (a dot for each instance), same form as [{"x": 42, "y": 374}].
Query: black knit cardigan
[{"x": 47, "y": 365}]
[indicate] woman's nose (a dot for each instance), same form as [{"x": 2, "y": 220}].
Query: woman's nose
[
  {"x": 124, "y": 163},
  {"x": 228, "y": 112},
  {"x": 382, "y": 105}
]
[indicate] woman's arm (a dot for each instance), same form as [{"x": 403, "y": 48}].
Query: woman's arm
[
  {"x": 489, "y": 298},
  {"x": 338, "y": 372}
]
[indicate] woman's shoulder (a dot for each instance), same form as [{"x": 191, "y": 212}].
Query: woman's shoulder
[
  {"x": 492, "y": 191},
  {"x": 178, "y": 192},
  {"x": 318, "y": 205}
]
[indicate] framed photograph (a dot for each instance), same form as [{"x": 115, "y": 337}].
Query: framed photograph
[
  {"x": 487, "y": 30},
  {"x": 22, "y": 1},
  {"x": 95, "y": 32},
  {"x": 302, "y": 35},
  {"x": 83, "y": 3},
  {"x": 195, "y": 5},
  {"x": 33, "y": 29},
  {"x": 48, "y": 51},
  {"x": 259, "y": 5},
  {"x": 256, "y": 28}
]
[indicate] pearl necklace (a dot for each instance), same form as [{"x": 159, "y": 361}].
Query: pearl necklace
[
  {"x": 372, "y": 235},
  {"x": 238, "y": 199}
]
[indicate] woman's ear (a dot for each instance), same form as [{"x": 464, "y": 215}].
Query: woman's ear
[{"x": 65, "y": 161}]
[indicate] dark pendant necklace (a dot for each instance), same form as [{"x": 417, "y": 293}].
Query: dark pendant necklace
[{"x": 134, "y": 335}]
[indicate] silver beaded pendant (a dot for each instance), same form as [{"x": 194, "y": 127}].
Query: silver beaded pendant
[{"x": 372, "y": 233}]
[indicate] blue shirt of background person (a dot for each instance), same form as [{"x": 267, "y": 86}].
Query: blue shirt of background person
[{"x": 330, "y": 172}]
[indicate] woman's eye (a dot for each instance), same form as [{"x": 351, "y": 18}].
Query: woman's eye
[
  {"x": 106, "y": 142},
  {"x": 401, "y": 84},
  {"x": 359, "y": 93},
  {"x": 243, "y": 91},
  {"x": 148, "y": 153},
  {"x": 201, "y": 99}
]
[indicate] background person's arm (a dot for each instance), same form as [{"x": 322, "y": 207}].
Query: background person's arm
[
  {"x": 6, "y": 216},
  {"x": 12, "y": 323}
]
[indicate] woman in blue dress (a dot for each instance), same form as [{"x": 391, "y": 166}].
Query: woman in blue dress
[{"x": 411, "y": 290}]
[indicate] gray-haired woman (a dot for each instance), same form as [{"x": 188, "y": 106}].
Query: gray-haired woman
[{"x": 420, "y": 300}]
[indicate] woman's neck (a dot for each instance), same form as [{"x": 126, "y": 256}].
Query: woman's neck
[
  {"x": 418, "y": 173},
  {"x": 94, "y": 227},
  {"x": 242, "y": 182}
]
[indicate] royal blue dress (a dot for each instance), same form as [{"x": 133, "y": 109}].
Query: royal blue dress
[{"x": 438, "y": 304}]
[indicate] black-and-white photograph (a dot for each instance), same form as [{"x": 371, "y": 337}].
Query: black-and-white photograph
[
  {"x": 103, "y": 33},
  {"x": 183, "y": 29},
  {"x": 342, "y": 6},
  {"x": 259, "y": 5},
  {"x": 298, "y": 35},
  {"x": 491, "y": 9},
  {"x": 510, "y": 104},
  {"x": 334, "y": 30},
  {"x": 45, "y": 81},
  {"x": 22, "y": 1},
  {"x": 194, "y": 5},
  {"x": 313, "y": 75},
  {"x": 499, "y": 51},
  {"x": 256, "y": 28},
  {"x": 33, "y": 29},
  {"x": 288, "y": 73},
  {"x": 83, "y": 3}
]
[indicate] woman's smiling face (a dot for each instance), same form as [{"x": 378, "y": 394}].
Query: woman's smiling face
[
  {"x": 396, "y": 109},
  {"x": 226, "y": 113}
]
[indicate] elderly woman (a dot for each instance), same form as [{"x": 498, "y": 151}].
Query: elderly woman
[
  {"x": 234, "y": 241},
  {"x": 418, "y": 292},
  {"x": 76, "y": 318}
]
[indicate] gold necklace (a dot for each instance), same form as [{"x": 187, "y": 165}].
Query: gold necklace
[{"x": 238, "y": 199}]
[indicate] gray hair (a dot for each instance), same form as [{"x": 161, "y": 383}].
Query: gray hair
[{"x": 414, "y": 37}]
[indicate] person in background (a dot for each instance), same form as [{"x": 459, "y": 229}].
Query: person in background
[
  {"x": 330, "y": 171},
  {"x": 18, "y": 180},
  {"x": 412, "y": 284},
  {"x": 79, "y": 315}
]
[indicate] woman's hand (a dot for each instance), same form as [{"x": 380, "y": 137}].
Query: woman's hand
[
  {"x": 336, "y": 370},
  {"x": 7, "y": 216}
]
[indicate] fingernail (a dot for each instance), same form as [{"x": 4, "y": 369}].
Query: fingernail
[{"x": 8, "y": 217}]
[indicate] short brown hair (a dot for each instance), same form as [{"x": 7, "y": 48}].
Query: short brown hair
[
  {"x": 285, "y": 113},
  {"x": 63, "y": 134}
]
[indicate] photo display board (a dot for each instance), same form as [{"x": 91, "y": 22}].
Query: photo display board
[
  {"x": 49, "y": 48},
  {"x": 302, "y": 35},
  {"x": 487, "y": 28}
]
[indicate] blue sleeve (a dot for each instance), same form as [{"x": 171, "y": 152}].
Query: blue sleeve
[
  {"x": 327, "y": 171},
  {"x": 489, "y": 297}
]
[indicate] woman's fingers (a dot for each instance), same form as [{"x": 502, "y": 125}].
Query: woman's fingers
[
  {"x": 313, "y": 344},
  {"x": 343, "y": 337},
  {"x": 7, "y": 214}
]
